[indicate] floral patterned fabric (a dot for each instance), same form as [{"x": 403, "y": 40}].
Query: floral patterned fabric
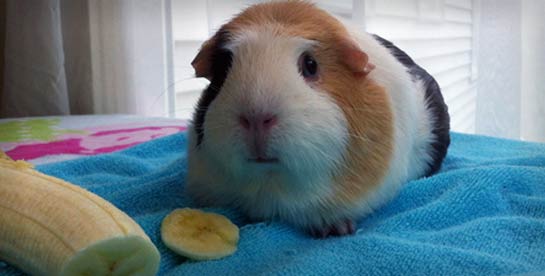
[{"x": 42, "y": 140}]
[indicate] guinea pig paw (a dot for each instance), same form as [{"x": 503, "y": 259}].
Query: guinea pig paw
[{"x": 342, "y": 228}]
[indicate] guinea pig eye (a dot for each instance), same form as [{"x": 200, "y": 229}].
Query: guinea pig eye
[{"x": 308, "y": 67}]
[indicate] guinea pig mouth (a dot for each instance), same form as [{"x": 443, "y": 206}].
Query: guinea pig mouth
[{"x": 262, "y": 160}]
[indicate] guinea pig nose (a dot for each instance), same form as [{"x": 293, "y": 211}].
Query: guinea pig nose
[
  {"x": 258, "y": 122},
  {"x": 269, "y": 121},
  {"x": 244, "y": 122}
]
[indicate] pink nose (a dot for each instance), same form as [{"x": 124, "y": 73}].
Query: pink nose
[
  {"x": 258, "y": 122},
  {"x": 257, "y": 131}
]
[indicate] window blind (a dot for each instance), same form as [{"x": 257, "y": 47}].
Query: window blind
[{"x": 439, "y": 34}]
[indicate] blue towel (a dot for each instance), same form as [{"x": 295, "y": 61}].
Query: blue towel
[{"x": 483, "y": 214}]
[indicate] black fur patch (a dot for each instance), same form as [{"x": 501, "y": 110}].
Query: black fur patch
[
  {"x": 221, "y": 63},
  {"x": 435, "y": 101}
]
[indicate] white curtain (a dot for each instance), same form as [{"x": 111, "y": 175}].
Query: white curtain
[
  {"x": 35, "y": 78},
  {"x": 80, "y": 56},
  {"x": 132, "y": 70}
]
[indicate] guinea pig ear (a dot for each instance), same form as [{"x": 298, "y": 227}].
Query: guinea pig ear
[
  {"x": 202, "y": 63},
  {"x": 355, "y": 59}
]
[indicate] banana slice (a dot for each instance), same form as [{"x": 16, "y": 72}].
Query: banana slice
[{"x": 199, "y": 235}]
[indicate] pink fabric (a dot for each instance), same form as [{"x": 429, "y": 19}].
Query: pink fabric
[
  {"x": 32, "y": 151},
  {"x": 96, "y": 143}
]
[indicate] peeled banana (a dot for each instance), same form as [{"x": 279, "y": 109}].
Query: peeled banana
[
  {"x": 51, "y": 227},
  {"x": 199, "y": 235},
  {"x": 4, "y": 156}
]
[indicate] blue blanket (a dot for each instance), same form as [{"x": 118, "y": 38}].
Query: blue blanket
[{"x": 483, "y": 214}]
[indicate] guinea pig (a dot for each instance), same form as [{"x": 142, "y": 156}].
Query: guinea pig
[{"x": 309, "y": 122}]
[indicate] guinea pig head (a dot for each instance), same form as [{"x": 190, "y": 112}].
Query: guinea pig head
[{"x": 286, "y": 96}]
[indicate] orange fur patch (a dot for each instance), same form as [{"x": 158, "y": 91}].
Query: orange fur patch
[
  {"x": 365, "y": 104},
  {"x": 368, "y": 111}
]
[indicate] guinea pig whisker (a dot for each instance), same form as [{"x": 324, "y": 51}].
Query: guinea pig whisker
[
  {"x": 162, "y": 94},
  {"x": 184, "y": 108}
]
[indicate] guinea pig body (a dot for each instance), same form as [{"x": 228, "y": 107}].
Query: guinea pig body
[{"x": 307, "y": 122}]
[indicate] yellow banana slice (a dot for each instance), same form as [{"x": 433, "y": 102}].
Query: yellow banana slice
[
  {"x": 51, "y": 227},
  {"x": 199, "y": 235}
]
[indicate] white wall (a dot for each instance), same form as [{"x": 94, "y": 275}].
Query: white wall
[
  {"x": 498, "y": 96},
  {"x": 511, "y": 84},
  {"x": 533, "y": 70}
]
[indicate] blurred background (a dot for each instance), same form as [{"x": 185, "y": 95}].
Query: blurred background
[{"x": 62, "y": 57}]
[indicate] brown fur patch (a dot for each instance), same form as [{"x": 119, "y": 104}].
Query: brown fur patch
[
  {"x": 368, "y": 111},
  {"x": 287, "y": 18},
  {"x": 365, "y": 104}
]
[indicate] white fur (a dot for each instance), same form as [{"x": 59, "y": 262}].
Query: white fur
[
  {"x": 310, "y": 138},
  {"x": 412, "y": 125}
]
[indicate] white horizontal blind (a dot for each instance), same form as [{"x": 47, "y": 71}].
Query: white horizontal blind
[
  {"x": 193, "y": 22},
  {"x": 439, "y": 35}
]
